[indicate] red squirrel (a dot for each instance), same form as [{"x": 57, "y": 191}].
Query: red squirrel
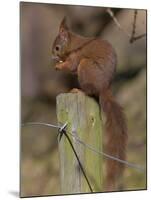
[{"x": 94, "y": 61}]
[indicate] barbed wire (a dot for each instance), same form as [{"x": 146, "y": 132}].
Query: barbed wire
[
  {"x": 107, "y": 155},
  {"x": 77, "y": 139},
  {"x": 61, "y": 132},
  {"x": 43, "y": 124}
]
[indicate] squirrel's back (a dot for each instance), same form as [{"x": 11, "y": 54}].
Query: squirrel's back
[
  {"x": 103, "y": 55},
  {"x": 100, "y": 51}
]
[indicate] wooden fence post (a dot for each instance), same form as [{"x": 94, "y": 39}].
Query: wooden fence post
[{"x": 82, "y": 114}]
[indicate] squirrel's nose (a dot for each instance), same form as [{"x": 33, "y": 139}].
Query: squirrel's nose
[{"x": 55, "y": 58}]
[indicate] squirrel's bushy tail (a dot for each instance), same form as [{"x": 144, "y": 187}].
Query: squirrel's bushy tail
[{"x": 116, "y": 131}]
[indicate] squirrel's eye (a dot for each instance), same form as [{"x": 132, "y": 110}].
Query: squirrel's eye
[{"x": 57, "y": 48}]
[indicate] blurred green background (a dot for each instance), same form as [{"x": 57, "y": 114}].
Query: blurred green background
[{"x": 40, "y": 84}]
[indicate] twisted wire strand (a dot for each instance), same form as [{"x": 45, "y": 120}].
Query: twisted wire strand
[{"x": 77, "y": 139}]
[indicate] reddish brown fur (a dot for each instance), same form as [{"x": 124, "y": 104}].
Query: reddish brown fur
[
  {"x": 94, "y": 61},
  {"x": 116, "y": 136}
]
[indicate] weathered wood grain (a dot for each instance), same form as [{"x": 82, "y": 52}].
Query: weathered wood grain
[{"x": 82, "y": 114}]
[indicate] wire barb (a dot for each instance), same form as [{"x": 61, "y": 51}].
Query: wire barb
[{"x": 61, "y": 132}]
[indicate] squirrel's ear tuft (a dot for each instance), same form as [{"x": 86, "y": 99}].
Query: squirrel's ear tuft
[
  {"x": 63, "y": 25},
  {"x": 63, "y": 30}
]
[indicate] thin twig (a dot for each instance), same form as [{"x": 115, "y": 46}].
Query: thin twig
[
  {"x": 131, "y": 36},
  {"x": 109, "y": 11},
  {"x": 138, "y": 37},
  {"x": 134, "y": 26}
]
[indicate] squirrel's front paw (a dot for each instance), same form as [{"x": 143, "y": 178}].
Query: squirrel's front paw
[{"x": 59, "y": 65}]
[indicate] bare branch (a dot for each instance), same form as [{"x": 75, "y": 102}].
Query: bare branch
[
  {"x": 134, "y": 26},
  {"x": 138, "y": 37},
  {"x": 62, "y": 129},
  {"x": 131, "y": 36},
  {"x": 109, "y": 11}
]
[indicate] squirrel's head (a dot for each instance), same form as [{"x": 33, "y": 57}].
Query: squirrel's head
[{"x": 61, "y": 43}]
